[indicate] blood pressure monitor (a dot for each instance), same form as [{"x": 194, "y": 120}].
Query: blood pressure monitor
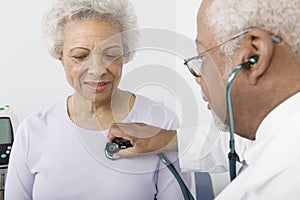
[{"x": 7, "y": 128}]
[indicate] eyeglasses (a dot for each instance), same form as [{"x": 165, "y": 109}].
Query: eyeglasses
[{"x": 194, "y": 64}]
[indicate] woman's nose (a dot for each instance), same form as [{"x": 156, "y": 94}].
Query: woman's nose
[{"x": 96, "y": 66}]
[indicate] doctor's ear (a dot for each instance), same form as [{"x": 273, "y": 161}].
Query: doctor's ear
[{"x": 258, "y": 50}]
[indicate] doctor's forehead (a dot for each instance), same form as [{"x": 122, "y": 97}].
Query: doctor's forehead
[{"x": 203, "y": 32}]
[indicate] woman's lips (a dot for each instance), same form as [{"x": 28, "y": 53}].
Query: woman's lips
[{"x": 97, "y": 86}]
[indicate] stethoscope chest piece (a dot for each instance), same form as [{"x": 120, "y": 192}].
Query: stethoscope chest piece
[{"x": 113, "y": 147}]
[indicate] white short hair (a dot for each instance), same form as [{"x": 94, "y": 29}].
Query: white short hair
[
  {"x": 117, "y": 12},
  {"x": 281, "y": 17}
]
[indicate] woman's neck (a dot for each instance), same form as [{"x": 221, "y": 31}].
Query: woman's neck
[{"x": 100, "y": 115}]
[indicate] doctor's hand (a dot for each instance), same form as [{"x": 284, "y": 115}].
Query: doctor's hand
[{"x": 145, "y": 139}]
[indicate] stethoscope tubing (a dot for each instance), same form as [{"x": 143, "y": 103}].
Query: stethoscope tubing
[{"x": 233, "y": 156}]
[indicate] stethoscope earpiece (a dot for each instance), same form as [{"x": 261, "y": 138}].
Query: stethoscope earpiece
[{"x": 253, "y": 59}]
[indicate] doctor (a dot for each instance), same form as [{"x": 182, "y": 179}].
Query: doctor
[{"x": 265, "y": 95}]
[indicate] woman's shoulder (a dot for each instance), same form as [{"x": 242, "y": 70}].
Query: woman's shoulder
[
  {"x": 153, "y": 105},
  {"x": 42, "y": 115},
  {"x": 153, "y": 112},
  {"x": 147, "y": 102}
]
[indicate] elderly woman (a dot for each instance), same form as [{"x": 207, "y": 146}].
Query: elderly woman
[{"x": 58, "y": 152}]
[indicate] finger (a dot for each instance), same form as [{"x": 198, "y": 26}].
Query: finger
[
  {"x": 126, "y": 153},
  {"x": 116, "y": 156}
]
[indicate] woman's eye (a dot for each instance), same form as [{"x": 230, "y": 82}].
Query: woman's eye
[
  {"x": 79, "y": 57},
  {"x": 111, "y": 56}
]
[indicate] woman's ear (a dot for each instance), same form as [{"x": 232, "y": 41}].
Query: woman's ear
[
  {"x": 258, "y": 42},
  {"x": 62, "y": 62}
]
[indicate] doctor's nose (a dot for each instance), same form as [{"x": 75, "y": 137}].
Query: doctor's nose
[
  {"x": 198, "y": 80},
  {"x": 204, "y": 88}
]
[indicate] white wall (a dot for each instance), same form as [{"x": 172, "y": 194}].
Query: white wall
[{"x": 31, "y": 79}]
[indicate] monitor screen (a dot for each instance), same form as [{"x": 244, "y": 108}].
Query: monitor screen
[{"x": 5, "y": 130}]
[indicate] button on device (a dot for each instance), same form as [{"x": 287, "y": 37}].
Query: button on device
[
  {"x": 9, "y": 147},
  {"x": 7, "y": 152},
  {"x": 3, "y": 156}
]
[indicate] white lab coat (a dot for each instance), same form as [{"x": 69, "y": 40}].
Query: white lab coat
[{"x": 274, "y": 158}]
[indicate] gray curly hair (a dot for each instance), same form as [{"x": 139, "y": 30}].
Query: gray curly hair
[
  {"x": 281, "y": 17},
  {"x": 117, "y": 12}
]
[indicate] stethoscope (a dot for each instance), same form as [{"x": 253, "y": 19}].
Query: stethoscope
[
  {"x": 113, "y": 147},
  {"x": 232, "y": 155}
]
